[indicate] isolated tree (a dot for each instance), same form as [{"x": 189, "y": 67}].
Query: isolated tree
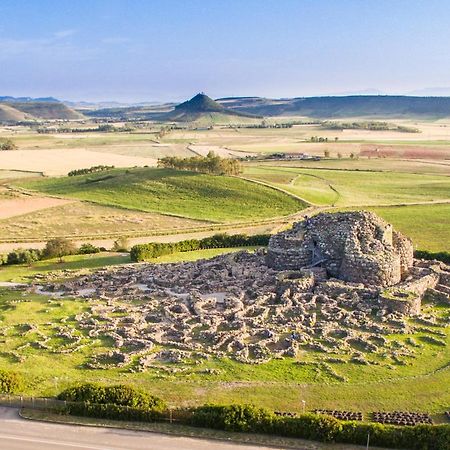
[
  {"x": 336, "y": 139},
  {"x": 59, "y": 247},
  {"x": 339, "y": 155},
  {"x": 326, "y": 153},
  {"x": 122, "y": 244},
  {"x": 7, "y": 144}
]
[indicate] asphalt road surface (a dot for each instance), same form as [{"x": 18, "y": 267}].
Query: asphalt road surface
[{"x": 20, "y": 434}]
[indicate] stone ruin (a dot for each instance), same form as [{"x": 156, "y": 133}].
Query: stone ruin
[
  {"x": 356, "y": 247},
  {"x": 336, "y": 285},
  {"x": 359, "y": 247}
]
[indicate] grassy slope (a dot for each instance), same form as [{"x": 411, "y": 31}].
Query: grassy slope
[
  {"x": 197, "y": 196},
  {"x": 358, "y": 187}
]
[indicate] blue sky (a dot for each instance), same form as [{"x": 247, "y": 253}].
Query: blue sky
[{"x": 138, "y": 50}]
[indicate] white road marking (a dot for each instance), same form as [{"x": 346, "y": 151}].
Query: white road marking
[{"x": 59, "y": 443}]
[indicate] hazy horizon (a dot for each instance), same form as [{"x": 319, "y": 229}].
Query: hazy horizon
[{"x": 169, "y": 50}]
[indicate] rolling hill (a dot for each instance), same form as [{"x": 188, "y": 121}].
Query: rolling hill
[
  {"x": 186, "y": 194},
  {"x": 26, "y": 108},
  {"x": 10, "y": 114}
]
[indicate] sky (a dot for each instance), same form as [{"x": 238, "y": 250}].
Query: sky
[{"x": 168, "y": 50}]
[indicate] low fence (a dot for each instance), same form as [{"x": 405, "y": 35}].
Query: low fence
[
  {"x": 93, "y": 410},
  {"x": 19, "y": 401}
]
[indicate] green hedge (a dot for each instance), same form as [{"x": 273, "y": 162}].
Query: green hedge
[
  {"x": 143, "y": 252},
  {"x": 119, "y": 395},
  {"x": 321, "y": 428},
  {"x": 112, "y": 411},
  {"x": 440, "y": 256}
]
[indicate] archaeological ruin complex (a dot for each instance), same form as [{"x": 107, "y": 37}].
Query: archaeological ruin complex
[{"x": 336, "y": 284}]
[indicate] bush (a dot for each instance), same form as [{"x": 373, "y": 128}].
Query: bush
[
  {"x": 233, "y": 418},
  {"x": 7, "y": 144},
  {"x": 23, "y": 256},
  {"x": 86, "y": 249},
  {"x": 120, "y": 394},
  {"x": 10, "y": 382},
  {"x": 440, "y": 256},
  {"x": 143, "y": 252}
]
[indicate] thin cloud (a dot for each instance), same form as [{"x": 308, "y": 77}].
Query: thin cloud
[{"x": 64, "y": 33}]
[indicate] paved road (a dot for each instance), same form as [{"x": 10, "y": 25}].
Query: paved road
[{"x": 21, "y": 434}]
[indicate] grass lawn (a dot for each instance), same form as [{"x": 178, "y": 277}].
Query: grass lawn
[
  {"x": 22, "y": 273},
  {"x": 186, "y": 194}
]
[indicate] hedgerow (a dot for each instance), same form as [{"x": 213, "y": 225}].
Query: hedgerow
[
  {"x": 321, "y": 428},
  {"x": 143, "y": 252}
]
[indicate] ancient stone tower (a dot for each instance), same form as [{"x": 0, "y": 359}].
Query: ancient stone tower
[{"x": 355, "y": 246}]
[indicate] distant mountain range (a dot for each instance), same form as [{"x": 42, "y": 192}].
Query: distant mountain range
[
  {"x": 369, "y": 106},
  {"x": 343, "y": 106}
]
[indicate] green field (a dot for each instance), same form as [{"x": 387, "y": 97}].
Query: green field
[
  {"x": 356, "y": 188},
  {"x": 185, "y": 194},
  {"x": 420, "y": 384},
  {"x": 426, "y": 225}
]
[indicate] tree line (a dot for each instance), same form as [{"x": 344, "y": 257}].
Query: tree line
[
  {"x": 93, "y": 169},
  {"x": 211, "y": 164}
]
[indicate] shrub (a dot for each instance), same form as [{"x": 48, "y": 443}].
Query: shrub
[
  {"x": 86, "y": 249},
  {"x": 10, "y": 382},
  {"x": 142, "y": 252},
  {"x": 7, "y": 144},
  {"x": 93, "y": 169},
  {"x": 120, "y": 394},
  {"x": 232, "y": 418},
  {"x": 23, "y": 256}
]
